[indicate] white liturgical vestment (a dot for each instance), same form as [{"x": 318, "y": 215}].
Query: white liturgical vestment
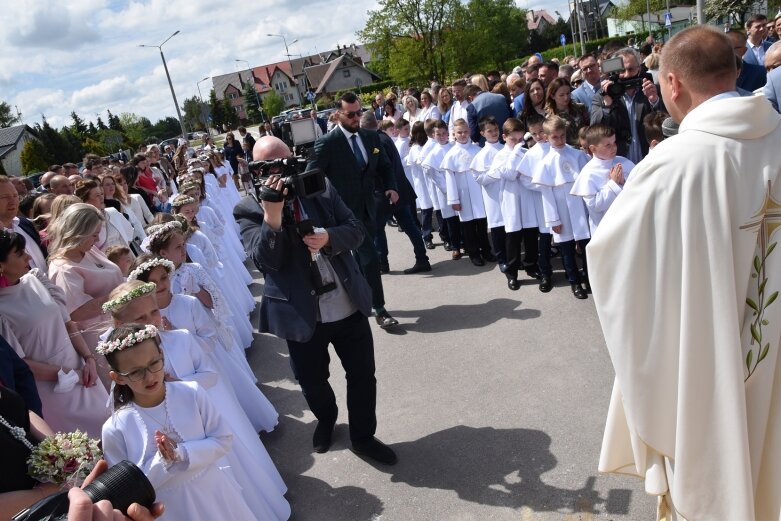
[
  {"x": 597, "y": 189},
  {"x": 460, "y": 184},
  {"x": 686, "y": 272}
]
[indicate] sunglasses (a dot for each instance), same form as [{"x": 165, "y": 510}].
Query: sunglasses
[{"x": 352, "y": 113}]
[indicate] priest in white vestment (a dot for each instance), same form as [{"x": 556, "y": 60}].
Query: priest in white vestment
[{"x": 685, "y": 274}]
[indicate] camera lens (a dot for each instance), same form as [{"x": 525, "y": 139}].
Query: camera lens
[{"x": 122, "y": 485}]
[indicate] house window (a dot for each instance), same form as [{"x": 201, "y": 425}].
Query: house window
[
  {"x": 232, "y": 95},
  {"x": 239, "y": 108},
  {"x": 346, "y": 73}
]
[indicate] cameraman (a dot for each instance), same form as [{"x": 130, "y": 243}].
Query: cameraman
[
  {"x": 299, "y": 308},
  {"x": 626, "y": 114}
]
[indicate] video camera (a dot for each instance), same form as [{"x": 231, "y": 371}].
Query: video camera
[
  {"x": 613, "y": 67},
  {"x": 299, "y": 181}
]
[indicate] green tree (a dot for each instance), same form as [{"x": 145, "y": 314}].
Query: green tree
[
  {"x": 251, "y": 103},
  {"x": 60, "y": 149},
  {"x": 74, "y": 141},
  {"x": 231, "y": 116},
  {"x": 99, "y": 123},
  {"x": 77, "y": 126},
  {"x": 273, "y": 103},
  {"x": 136, "y": 128},
  {"x": 114, "y": 123},
  {"x": 111, "y": 140},
  {"x": 413, "y": 35},
  {"x": 727, "y": 8},
  {"x": 193, "y": 113},
  {"x": 166, "y": 128},
  {"x": 7, "y": 118},
  {"x": 92, "y": 131},
  {"x": 217, "y": 110},
  {"x": 35, "y": 157}
]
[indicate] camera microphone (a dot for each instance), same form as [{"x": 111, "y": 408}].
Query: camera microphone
[{"x": 122, "y": 485}]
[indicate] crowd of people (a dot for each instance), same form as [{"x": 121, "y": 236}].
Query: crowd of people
[{"x": 124, "y": 300}]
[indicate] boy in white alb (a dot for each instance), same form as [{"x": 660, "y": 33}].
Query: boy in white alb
[
  {"x": 564, "y": 213},
  {"x": 489, "y": 186},
  {"x": 432, "y": 168},
  {"x": 423, "y": 200},
  {"x": 428, "y": 144},
  {"x": 465, "y": 196},
  {"x": 602, "y": 179}
]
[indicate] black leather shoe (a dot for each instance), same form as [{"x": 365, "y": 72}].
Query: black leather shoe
[
  {"x": 419, "y": 267},
  {"x": 512, "y": 281},
  {"x": 376, "y": 450},
  {"x": 384, "y": 320},
  {"x": 579, "y": 292},
  {"x": 545, "y": 284},
  {"x": 429, "y": 245},
  {"x": 477, "y": 260},
  {"x": 489, "y": 257},
  {"x": 447, "y": 246},
  {"x": 503, "y": 267},
  {"x": 535, "y": 274},
  {"x": 321, "y": 440},
  {"x": 384, "y": 268}
]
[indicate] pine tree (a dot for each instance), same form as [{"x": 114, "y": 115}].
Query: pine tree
[
  {"x": 7, "y": 118},
  {"x": 231, "y": 116},
  {"x": 34, "y": 157},
  {"x": 114, "y": 123},
  {"x": 77, "y": 126},
  {"x": 100, "y": 124},
  {"x": 217, "y": 110},
  {"x": 251, "y": 103}
]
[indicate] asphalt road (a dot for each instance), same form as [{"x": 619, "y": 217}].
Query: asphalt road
[{"x": 494, "y": 401}]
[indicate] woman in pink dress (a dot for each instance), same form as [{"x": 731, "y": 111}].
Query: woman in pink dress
[
  {"x": 33, "y": 319},
  {"x": 83, "y": 272}
]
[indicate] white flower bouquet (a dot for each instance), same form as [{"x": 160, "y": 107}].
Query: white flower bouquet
[{"x": 66, "y": 458}]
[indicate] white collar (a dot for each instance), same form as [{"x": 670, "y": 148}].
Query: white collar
[{"x": 347, "y": 133}]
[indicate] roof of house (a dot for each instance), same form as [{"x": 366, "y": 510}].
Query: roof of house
[
  {"x": 318, "y": 75},
  {"x": 265, "y": 74},
  {"x": 10, "y": 136},
  {"x": 534, "y": 18},
  {"x": 237, "y": 79}
]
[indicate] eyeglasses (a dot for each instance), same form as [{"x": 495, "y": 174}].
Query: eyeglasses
[
  {"x": 350, "y": 114},
  {"x": 138, "y": 374},
  {"x": 589, "y": 67}
]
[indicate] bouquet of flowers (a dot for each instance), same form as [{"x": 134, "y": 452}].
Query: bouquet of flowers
[{"x": 65, "y": 458}]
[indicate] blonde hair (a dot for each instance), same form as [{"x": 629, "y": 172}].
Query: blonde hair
[
  {"x": 122, "y": 290},
  {"x": 77, "y": 222},
  {"x": 481, "y": 81}
]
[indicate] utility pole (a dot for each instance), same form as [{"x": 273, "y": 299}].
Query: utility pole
[{"x": 171, "y": 85}]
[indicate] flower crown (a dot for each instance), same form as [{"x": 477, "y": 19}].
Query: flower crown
[
  {"x": 140, "y": 291},
  {"x": 156, "y": 230},
  {"x": 149, "y": 265},
  {"x": 132, "y": 339},
  {"x": 181, "y": 200},
  {"x": 189, "y": 184}
]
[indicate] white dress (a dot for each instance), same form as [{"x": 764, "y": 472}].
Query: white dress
[
  {"x": 203, "y": 485},
  {"x": 189, "y": 278},
  {"x": 432, "y": 168},
  {"x": 597, "y": 189},
  {"x": 460, "y": 183},
  {"x": 32, "y": 320},
  {"x": 491, "y": 187},
  {"x": 188, "y": 313},
  {"x": 556, "y": 175}
]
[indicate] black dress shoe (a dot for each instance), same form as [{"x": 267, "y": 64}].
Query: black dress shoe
[
  {"x": 429, "y": 245},
  {"x": 579, "y": 292},
  {"x": 534, "y": 273},
  {"x": 376, "y": 450},
  {"x": 503, "y": 267},
  {"x": 321, "y": 440},
  {"x": 384, "y": 268},
  {"x": 384, "y": 320},
  {"x": 545, "y": 284},
  {"x": 489, "y": 257},
  {"x": 477, "y": 260},
  {"x": 419, "y": 267},
  {"x": 447, "y": 246},
  {"x": 512, "y": 281}
]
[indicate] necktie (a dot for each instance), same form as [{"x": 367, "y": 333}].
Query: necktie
[{"x": 357, "y": 152}]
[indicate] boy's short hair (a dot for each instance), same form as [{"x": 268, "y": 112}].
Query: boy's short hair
[
  {"x": 114, "y": 253},
  {"x": 460, "y": 122},
  {"x": 385, "y": 124},
  {"x": 652, "y": 123},
  {"x": 460, "y": 82},
  {"x": 554, "y": 123},
  {"x": 485, "y": 121},
  {"x": 440, "y": 124},
  {"x": 429, "y": 126},
  {"x": 401, "y": 123},
  {"x": 534, "y": 119},
  {"x": 582, "y": 132},
  {"x": 472, "y": 90},
  {"x": 596, "y": 133},
  {"x": 511, "y": 125}
]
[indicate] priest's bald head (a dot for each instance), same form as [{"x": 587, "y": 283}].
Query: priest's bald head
[
  {"x": 268, "y": 148},
  {"x": 696, "y": 64}
]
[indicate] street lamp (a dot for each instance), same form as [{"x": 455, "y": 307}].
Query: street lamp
[
  {"x": 199, "y": 87},
  {"x": 252, "y": 76},
  {"x": 173, "y": 94},
  {"x": 287, "y": 53}
]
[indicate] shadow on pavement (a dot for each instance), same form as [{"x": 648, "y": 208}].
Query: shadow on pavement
[
  {"x": 454, "y": 317},
  {"x": 497, "y": 467}
]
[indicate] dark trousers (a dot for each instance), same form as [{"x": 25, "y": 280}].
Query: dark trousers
[
  {"x": 406, "y": 222},
  {"x": 475, "y": 234},
  {"x": 582, "y": 256},
  {"x": 527, "y": 237},
  {"x": 369, "y": 261},
  {"x": 353, "y": 343},
  {"x": 453, "y": 227},
  {"x": 426, "y": 224},
  {"x": 567, "y": 250},
  {"x": 444, "y": 234},
  {"x": 498, "y": 239}
]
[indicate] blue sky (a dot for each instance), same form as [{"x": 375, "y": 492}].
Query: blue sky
[{"x": 83, "y": 55}]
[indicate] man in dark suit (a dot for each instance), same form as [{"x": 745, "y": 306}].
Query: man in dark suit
[
  {"x": 751, "y": 75},
  {"x": 352, "y": 158},
  {"x": 486, "y": 104},
  {"x": 314, "y": 295},
  {"x": 10, "y": 220},
  {"x": 626, "y": 114}
]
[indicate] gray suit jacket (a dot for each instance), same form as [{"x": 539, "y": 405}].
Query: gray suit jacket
[
  {"x": 772, "y": 88},
  {"x": 289, "y": 305}
]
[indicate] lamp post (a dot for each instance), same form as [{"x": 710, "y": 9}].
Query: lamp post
[
  {"x": 252, "y": 76},
  {"x": 287, "y": 53},
  {"x": 171, "y": 85},
  {"x": 199, "y": 88},
  {"x": 203, "y": 114}
]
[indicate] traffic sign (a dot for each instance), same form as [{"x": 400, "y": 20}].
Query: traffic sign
[
  {"x": 668, "y": 19},
  {"x": 563, "y": 39}
]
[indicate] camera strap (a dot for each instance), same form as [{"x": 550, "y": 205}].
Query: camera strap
[{"x": 297, "y": 213}]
